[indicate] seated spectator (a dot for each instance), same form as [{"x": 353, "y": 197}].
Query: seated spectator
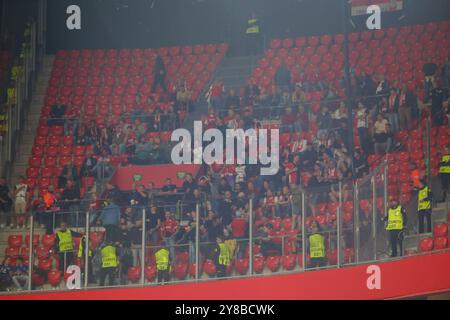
[
  {"x": 184, "y": 99},
  {"x": 382, "y": 87},
  {"x": 139, "y": 197},
  {"x": 143, "y": 153},
  {"x": 5, "y": 274},
  {"x": 20, "y": 275},
  {"x": 189, "y": 184},
  {"x": 69, "y": 172},
  {"x": 340, "y": 115},
  {"x": 56, "y": 115},
  {"x": 119, "y": 138},
  {"x": 251, "y": 91}
]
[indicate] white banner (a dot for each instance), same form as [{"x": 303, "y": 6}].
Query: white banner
[{"x": 358, "y": 8}]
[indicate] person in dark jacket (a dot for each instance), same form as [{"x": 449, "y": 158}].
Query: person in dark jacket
[{"x": 159, "y": 74}]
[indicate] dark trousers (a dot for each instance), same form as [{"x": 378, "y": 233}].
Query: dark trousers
[
  {"x": 445, "y": 180},
  {"x": 363, "y": 134},
  {"x": 221, "y": 270},
  {"x": 318, "y": 262},
  {"x": 159, "y": 80},
  {"x": 253, "y": 44},
  {"x": 107, "y": 272},
  {"x": 396, "y": 238},
  {"x": 163, "y": 275},
  {"x": 65, "y": 260},
  {"x": 424, "y": 215}
]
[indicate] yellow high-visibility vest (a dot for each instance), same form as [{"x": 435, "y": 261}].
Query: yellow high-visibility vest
[
  {"x": 423, "y": 204},
  {"x": 445, "y": 166},
  {"x": 224, "y": 256},
  {"x": 395, "y": 219},
  {"x": 11, "y": 96},
  {"x": 80, "y": 248},
  {"x": 109, "y": 257},
  {"x": 253, "y": 26},
  {"x": 162, "y": 259},
  {"x": 65, "y": 241},
  {"x": 316, "y": 246}
]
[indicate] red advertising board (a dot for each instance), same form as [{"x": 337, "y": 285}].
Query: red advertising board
[{"x": 413, "y": 276}]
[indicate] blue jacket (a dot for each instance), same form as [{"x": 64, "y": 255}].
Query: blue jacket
[{"x": 110, "y": 215}]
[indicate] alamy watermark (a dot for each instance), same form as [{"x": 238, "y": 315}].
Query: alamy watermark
[{"x": 255, "y": 141}]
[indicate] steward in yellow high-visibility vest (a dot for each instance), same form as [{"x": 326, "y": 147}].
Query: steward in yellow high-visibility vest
[
  {"x": 162, "y": 257},
  {"x": 65, "y": 246},
  {"x": 221, "y": 257},
  {"x": 316, "y": 246},
  {"x": 110, "y": 262},
  {"x": 444, "y": 172},
  {"x": 424, "y": 198},
  {"x": 396, "y": 222},
  {"x": 253, "y": 33}
]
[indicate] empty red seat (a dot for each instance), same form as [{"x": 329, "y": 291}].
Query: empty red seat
[
  {"x": 210, "y": 268},
  {"x": 441, "y": 230},
  {"x": 48, "y": 240},
  {"x": 45, "y": 264},
  {"x": 258, "y": 264},
  {"x": 37, "y": 279},
  {"x": 150, "y": 273},
  {"x": 54, "y": 278},
  {"x": 287, "y": 224},
  {"x": 43, "y": 252},
  {"x": 57, "y": 130},
  {"x": 440, "y": 243},
  {"x": 288, "y": 261},
  {"x": 242, "y": 265},
  {"x": 34, "y": 162},
  {"x": 426, "y": 244},
  {"x": 332, "y": 257},
  {"x": 15, "y": 240},
  {"x": 273, "y": 263},
  {"x": 35, "y": 239},
  {"x": 349, "y": 255},
  {"x": 12, "y": 252},
  {"x": 180, "y": 270},
  {"x": 134, "y": 274},
  {"x": 192, "y": 267}
]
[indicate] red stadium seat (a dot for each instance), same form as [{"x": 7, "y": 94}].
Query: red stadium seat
[
  {"x": 258, "y": 264},
  {"x": 54, "y": 278},
  {"x": 180, "y": 270},
  {"x": 150, "y": 273},
  {"x": 288, "y": 261},
  {"x": 210, "y": 268},
  {"x": 349, "y": 255},
  {"x": 45, "y": 264},
  {"x": 12, "y": 252},
  {"x": 242, "y": 266},
  {"x": 440, "y": 243},
  {"x": 426, "y": 244},
  {"x": 332, "y": 257},
  {"x": 37, "y": 279},
  {"x": 192, "y": 270},
  {"x": 441, "y": 230},
  {"x": 273, "y": 263},
  {"x": 35, "y": 240},
  {"x": 48, "y": 240},
  {"x": 134, "y": 274},
  {"x": 15, "y": 240}
]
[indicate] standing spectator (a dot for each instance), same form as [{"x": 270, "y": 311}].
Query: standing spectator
[
  {"x": 429, "y": 71},
  {"x": 5, "y": 274},
  {"x": 289, "y": 122},
  {"x": 69, "y": 172},
  {"x": 363, "y": 127},
  {"x": 446, "y": 73},
  {"x": 323, "y": 122},
  {"x": 438, "y": 114},
  {"x": 232, "y": 100},
  {"x": 253, "y": 34},
  {"x": 21, "y": 195},
  {"x": 380, "y": 135},
  {"x": 139, "y": 198},
  {"x": 189, "y": 184},
  {"x": 159, "y": 74},
  {"x": 154, "y": 224},
  {"x": 215, "y": 94},
  {"x": 404, "y": 108},
  {"x": 392, "y": 109},
  {"x": 110, "y": 218},
  {"x": 87, "y": 168},
  {"x": 70, "y": 198},
  {"x": 169, "y": 230},
  {"x": 382, "y": 87},
  {"x": 103, "y": 167},
  {"x": 20, "y": 275},
  {"x": 5, "y": 203},
  {"x": 283, "y": 77}
]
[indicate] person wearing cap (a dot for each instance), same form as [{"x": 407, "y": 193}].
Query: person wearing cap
[
  {"x": 424, "y": 197},
  {"x": 396, "y": 223}
]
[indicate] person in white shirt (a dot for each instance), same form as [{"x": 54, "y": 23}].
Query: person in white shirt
[
  {"x": 362, "y": 125},
  {"x": 20, "y": 200}
]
